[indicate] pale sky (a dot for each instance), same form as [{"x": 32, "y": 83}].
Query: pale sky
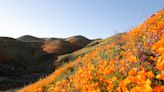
[{"x": 64, "y": 18}]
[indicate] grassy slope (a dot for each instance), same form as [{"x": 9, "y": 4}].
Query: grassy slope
[
  {"x": 130, "y": 62},
  {"x": 92, "y": 46}
]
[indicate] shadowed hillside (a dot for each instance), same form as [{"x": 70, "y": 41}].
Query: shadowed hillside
[
  {"x": 7, "y": 39},
  {"x": 28, "y": 58}
]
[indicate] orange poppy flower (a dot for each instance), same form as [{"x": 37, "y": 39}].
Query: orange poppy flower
[
  {"x": 158, "y": 89},
  {"x": 150, "y": 74},
  {"x": 132, "y": 72}
]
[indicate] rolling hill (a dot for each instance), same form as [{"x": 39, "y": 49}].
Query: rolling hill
[
  {"x": 26, "y": 59},
  {"x": 29, "y": 38}
]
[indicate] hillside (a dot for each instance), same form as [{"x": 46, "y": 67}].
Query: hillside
[
  {"x": 58, "y": 46},
  {"x": 76, "y": 39},
  {"x": 28, "y": 58},
  {"x": 133, "y": 61}
]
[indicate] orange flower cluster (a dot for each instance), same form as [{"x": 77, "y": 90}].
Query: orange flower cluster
[
  {"x": 133, "y": 63},
  {"x": 159, "y": 48}
]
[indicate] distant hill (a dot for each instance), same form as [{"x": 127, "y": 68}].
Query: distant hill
[
  {"x": 28, "y": 38},
  {"x": 79, "y": 41},
  {"x": 8, "y": 39}
]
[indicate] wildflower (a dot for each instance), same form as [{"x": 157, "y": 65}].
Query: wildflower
[
  {"x": 150, "y": 74},
  {"x": 132, "y": 72}
]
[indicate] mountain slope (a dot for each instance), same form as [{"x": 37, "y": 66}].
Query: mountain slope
[{"x": 134, "y": 62}]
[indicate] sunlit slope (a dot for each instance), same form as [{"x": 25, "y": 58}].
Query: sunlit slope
[{"x": 134, "y": 62}]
